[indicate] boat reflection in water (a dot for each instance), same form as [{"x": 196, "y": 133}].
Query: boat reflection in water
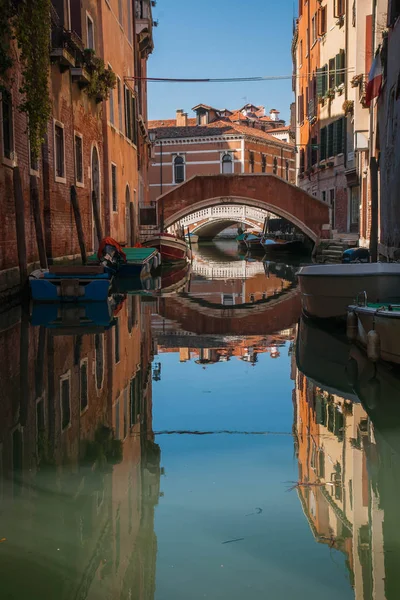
[
  {"x": 347, "y": 427},
  {"x": 80, "y": 471}
]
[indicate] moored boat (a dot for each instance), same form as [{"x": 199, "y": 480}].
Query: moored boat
[
  {"x": 75, "y": 283},
  {"x": 171, "y": 247},
  {"x": 327, "y": 290},
  {"x": 377, "y": 328},
  {"x": 280, "y": 245},
  {"x": 253, "y": 241}
]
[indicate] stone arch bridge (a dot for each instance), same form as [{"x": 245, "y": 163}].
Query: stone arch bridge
[{"x": 260, "y": 191}]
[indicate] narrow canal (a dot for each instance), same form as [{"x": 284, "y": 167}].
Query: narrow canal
[{"x": 204, "y": 442}]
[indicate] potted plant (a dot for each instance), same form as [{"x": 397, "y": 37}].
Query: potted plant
[
  {"x": 339, "y": 89},
  {"x": 322, "y": 166},
  {"x": 356, "y": 80},
  {"x": 330, "y": 94},
  {"x": 102, "y": 80},
  {"x": 348, "y": 107}
]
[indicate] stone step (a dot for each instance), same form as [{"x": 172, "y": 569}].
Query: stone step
[{"x": 331, "y": 252}]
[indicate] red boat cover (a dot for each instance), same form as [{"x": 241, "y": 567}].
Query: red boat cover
[{"x": 110, "y": 242}]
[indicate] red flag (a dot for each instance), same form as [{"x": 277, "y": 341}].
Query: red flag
[{"x": 374, "y": 85}]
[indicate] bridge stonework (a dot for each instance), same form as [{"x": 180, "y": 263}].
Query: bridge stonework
[{"x": 265, "y": 191}]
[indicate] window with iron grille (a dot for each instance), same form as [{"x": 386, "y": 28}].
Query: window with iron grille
[
  {"x": 263, "y": 163},
  {"x": 251, "y": 162},
  {"x": 275, "y": 167},
  {"x": 59, "y": 150},
  {"x": 79, "y": 159},
  {"x": 114, "y": 188}
]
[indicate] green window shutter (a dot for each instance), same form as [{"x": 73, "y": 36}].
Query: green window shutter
[
  {"x": 330, "y": 135},
  {"x": 342, "y": 65},
  {"x": 338, "y": 137},
  {"x": 325, "y": 80},
  {"x": 338, "y": 62},
  {"x": 322, "y": 152},
  {"x": 320, "y": 82}
]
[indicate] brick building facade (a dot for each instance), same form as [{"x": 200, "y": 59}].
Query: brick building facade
[
  {"x": 93, "y": 144},
  {"x": 217, "y": 142}
]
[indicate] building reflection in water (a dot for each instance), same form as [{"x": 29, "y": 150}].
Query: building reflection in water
[
  {"x": 348, "y": 465},
  {"x": 79, "y": 468}
]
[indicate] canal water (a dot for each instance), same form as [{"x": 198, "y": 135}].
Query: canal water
[{"x": 202, "y": 441}]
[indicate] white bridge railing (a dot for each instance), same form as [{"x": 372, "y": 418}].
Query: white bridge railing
[
  {"x": 228, "y": 270},
  {"x": 226, "y": 211}
]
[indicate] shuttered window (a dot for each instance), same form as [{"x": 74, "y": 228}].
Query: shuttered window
[
  {"x": 331, "y": 73},
  {"x": 339, "y": 67},
  {"x": 322, "y": 80},
  {"x": 322, "y": 152},
  {"x": 338, "y": 136},
  {"x": 329, "y": 142}
]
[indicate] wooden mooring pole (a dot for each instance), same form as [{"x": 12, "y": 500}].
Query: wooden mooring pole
[
  {"x": 78, "y": 222},
  {"x": 35, "y": 204},
  {"x": 96, "y": 216},
  {"x": 20, "y": 228}
]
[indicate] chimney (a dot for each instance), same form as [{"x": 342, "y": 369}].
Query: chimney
[
  {"x": 181, "y": 118},
  {"x": 274, "y": 114}
]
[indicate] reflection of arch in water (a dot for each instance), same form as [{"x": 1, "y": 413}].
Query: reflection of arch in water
[{"x": 267, "y": 316}]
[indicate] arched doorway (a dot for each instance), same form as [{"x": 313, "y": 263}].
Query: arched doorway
[
  {"x": 96, "y": 189},
  {"x": 128, "y": 217}
]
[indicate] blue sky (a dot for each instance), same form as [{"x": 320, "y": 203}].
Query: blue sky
[{"x": 220, "y": 38}]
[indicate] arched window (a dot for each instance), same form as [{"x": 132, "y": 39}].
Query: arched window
[
  {"x": 287, "y": 170},
  {"x": 275, "y": 169},
  {"x": 227, "y": 163},
  {"x": 179, "y": 169}
]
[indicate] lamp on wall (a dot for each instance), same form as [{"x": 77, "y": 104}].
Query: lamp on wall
[{"x": 152, "y": 136}]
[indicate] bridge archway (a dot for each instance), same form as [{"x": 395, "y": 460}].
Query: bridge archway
[
  {"x": 215, "y": 226},
  {"x": 264, "y": 191}
]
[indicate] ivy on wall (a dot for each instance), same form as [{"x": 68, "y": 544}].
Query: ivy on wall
[{"x": 28, "y": 21}]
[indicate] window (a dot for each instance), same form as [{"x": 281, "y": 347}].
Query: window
[
  {"x": 59, "y": 151},
  {"x": 329, "y": 151},
  {"x": 331, "y": 73},
  {"x": 116, "y": 342},
  {"x": 301, "y": 53},
  {"x": 314, "y": 150},
  {"x": 179, "y": 169},
  {"x": 134, "y": 121},
  {"x": 130, "y": 116},
  {"x": 7, "y": 124},
  {"x": 111, "y": 103},
  {"x": 322, "y": 20},
  {"x": 338, "y": 136},
  {"x": 339, "y": 8},
  {"x": 340, "y": 65},
  {"x": 263, "y": 163},
  {"x": 251, "y": 162},
  {"x": 322, "y": 151},
  {"x": 323, "y": 196},
  {"x": 119, "y": 96},
  {"x": 227, "y": 164},
  {"x": 120, "y": 12},
  {"x": 114, "y": 187},
  {"x": 287, "y": 170},
  {"x": 90, "y": 32},
  {"x": 302, "y": 160},
  {"x": 275, "y": 167},
  {"x": 322, "y": 81},
  {"x": 78, "y": 158},
  {"x": 314, "y": 29},
  {"x": 84, "y": 385},
  {"x": 65, "y": 400}
]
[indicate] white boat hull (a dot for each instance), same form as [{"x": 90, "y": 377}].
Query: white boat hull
[
  {"x": 386, "y": 325},
  {"x": 327, "y": 290}
]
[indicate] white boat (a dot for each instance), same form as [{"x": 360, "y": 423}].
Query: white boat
[
  {"x": 327, "y": 290},
  {"x": 384, "y": 321}
]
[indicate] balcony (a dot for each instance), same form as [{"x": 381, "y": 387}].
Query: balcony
[
  {"x": 144, "y": 27},
  {"x": 66, "y": 47}
]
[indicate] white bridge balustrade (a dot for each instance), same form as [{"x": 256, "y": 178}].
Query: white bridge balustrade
[
  {"x": 227, "y": 270},
  {"x": 226, "y": 212}
]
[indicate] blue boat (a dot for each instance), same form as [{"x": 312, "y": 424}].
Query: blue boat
[
  {"x": 74, "y": 318},
  {"x": 70, "y": 284},
  {"x": 129, "y": 262}
]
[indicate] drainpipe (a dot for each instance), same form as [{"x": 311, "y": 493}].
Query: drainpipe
[
  {"x": 106, "y": 161},
  {"x": 373, "y": 166}
]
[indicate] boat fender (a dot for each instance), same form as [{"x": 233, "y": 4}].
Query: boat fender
[
  {"x": 373, "y": 393},
  {"x": 351, "y": 325},
  {"x": 373, "y": 345},
  {"x": 352, "y": 371}
]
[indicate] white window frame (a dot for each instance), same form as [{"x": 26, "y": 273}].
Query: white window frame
[
  {"x": 183, "y": 155},
  {"x": 65, "y": 377},
  {"x": 9, "y": 162},
  {"x": 79, "y": 184},
  {"x": 56, "y": 177},
  {"x": 90, "y": 18},
  {"x": 113, "y": 164},
  {"x": 84, "y": 361},
  {"x": 231, "y": 154}
]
